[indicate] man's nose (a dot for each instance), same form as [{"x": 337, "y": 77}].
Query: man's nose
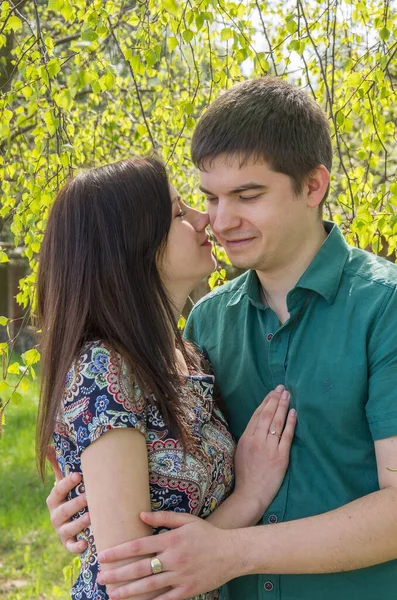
[
  {"x": 222, "y": 217},
  {"x": 199, "y": 219}
]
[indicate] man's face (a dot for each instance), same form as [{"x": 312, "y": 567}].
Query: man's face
[{"x": 254, "y": 213}]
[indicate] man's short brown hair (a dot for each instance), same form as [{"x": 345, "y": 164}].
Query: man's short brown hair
[{"x": 266, "y": 119}]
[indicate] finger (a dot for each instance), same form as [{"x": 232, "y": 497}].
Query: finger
[
  {"x": 280, "y": 416},
  {"x": 151, "y": 544},
  {"x": 76, "y": 547},
  {"x": 267, "y": 414},
  {"x": 59, "y": 493},
  {"x": 173, "y": 594},
  {"x": 52, "y": 459},
  {"x": 65, "y": 511},
  {"x": 132, "y": 570},
  {"x": 289, "y": 431},
  {"x": 281, "y": 412},
  {"x": 168, "y": 519},
  {"x": 71, "y": 529},
  {"x": 152, "y": 583},
  {"x": 256, "y": 417}
]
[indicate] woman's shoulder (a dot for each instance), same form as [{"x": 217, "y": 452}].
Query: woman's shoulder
[
  {"x": 99, "y": 369},
  {"x": 95, "y": 359}
]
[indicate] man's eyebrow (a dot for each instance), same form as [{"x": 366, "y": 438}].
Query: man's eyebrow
[{"x": 251, "y": 185}]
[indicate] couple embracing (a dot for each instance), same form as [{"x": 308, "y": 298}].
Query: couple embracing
[{"x": 262, "y": 447}]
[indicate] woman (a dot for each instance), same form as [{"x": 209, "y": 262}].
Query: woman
[{"x": 127, "y": 402}]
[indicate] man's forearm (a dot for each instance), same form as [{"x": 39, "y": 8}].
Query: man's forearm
[{"x": 358, "y": 535}]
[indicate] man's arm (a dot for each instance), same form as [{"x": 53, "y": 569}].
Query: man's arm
[{"x": 198, "y": 557}]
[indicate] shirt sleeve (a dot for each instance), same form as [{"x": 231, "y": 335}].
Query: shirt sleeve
[
  {"x": 192, "y": 329},
  {"x": 100, "y": 396},
  {"x": 381, "y": 406}
]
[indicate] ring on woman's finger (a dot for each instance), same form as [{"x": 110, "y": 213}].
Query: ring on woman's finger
[
  {"x": 156, "y": 566},
  {"x": 274, "y": 432}
]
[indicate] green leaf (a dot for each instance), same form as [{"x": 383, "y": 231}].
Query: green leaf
[
  {"x": 172, "y": 43},
  {"x": 384, "y": 34},
  {"x": 171, "y": 6},
  {"x": 226, "y": 34},
  {"x": 3, "y": 257},
  {"x": 14, "y": 23},
  {"x": 188, "y": 35},
  {"x": 51, "y": 122},
  {"x": 295, "y": 45},
  {"x": 292, "y": 26},
  {"x": 89, "y": 35},
  {"x": 13, "y": 369},
  {"x": 30, "y": 357},
  {"x": 135, "y": 62},
  {"x": 63, "y": 99},
  {"x": 150, "y": 58},
  {"x": 16, "y": 398},
  {"x": 3, "y": 320},
  {"x": 3, "y": 386}
]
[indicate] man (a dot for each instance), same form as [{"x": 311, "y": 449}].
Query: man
[{"x": 315, "y": 315}]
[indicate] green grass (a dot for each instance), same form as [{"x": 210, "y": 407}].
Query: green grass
[{"x": 31, "y": 557}]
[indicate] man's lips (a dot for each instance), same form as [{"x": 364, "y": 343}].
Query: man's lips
[{"x": 238, "y": 243}]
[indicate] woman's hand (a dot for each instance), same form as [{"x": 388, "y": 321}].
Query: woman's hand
[
  {"x": 262, "y": 454},
  {"x": 62, "y": 510}
]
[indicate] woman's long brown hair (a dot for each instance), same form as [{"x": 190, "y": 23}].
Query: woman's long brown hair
[{"x": 98, "y": 280}]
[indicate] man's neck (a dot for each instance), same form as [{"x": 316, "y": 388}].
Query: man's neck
[{"x": 277, "y": 283}]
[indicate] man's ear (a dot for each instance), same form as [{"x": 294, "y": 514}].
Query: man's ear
[{"x": 316, "y": 185}]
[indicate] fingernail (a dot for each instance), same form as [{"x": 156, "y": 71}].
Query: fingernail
[
  {"x": 292, "y": 412},
  {"x": 87, "y": 518},
  {"x": 76, "y": 477},
  {"x": 280, "y": 388},
  {"x": 285, "y": 395}
]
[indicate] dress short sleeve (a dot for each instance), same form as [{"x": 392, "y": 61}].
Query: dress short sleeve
[{"x": 99, "y": 396}]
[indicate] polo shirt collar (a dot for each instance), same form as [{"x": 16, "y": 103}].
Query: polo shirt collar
[{"x": 323, "y": 275}]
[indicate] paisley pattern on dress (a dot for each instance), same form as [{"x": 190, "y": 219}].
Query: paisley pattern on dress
[{"x": 100, "y": 396}]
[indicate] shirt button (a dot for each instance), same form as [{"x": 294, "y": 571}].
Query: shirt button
[
  {"x": 272, "y": 519},
  {"x": 268, "y": 586},
  {"x": 269, "y": 337}
]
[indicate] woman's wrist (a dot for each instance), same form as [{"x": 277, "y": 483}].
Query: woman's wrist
[{"x": 250, "y": 507}]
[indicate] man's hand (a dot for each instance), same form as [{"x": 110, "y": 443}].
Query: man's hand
[
  {"x": 62, "y": 510},
  {"x": 191, "y": 548}
]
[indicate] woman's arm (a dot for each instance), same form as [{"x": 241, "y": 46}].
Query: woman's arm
[
  {"x": 260, "y": 463},
  {"x": 115, "y": 470}
]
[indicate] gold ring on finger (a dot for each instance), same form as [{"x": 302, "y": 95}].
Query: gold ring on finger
[
  {"x": 156, "y": 566},
  {"x": 274, "y": 432}
]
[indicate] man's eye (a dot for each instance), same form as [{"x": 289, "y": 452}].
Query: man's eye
[
  {"x": 209, "y": 199},
  {"x": 249, "y": 197},
  {"x": 181, "y": 214}
]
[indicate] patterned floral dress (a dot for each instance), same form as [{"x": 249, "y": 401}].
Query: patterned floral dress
[{"x": 99, "y": 396}]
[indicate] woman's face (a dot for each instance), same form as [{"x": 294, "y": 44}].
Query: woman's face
[{"x": 187, "y": 257}]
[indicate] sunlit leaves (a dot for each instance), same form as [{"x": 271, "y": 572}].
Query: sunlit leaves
[{"x": 109, "y": 79}]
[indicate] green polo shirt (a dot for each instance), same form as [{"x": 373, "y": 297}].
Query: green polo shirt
[{"x": 337, "y": 355}]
